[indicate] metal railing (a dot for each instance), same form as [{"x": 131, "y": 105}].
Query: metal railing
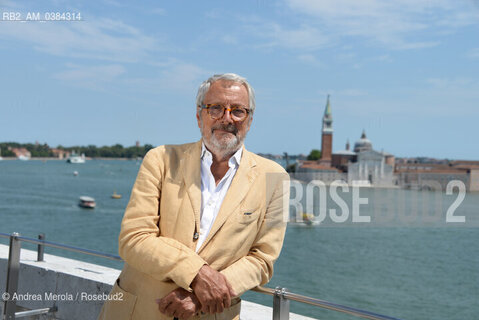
[{"x": 281, "y": 296}]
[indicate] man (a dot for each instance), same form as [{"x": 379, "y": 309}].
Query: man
[{"x": 205, "y": 220}]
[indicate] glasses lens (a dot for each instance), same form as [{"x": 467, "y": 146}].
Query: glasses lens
[
  {"x": 215, "y": 111},
  {"x": 238, "y": 113}
]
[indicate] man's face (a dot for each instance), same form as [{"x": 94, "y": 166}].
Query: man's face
[{"x": 224, "y": 135}]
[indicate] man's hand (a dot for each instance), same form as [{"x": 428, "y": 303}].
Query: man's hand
[
  {"x": 179, "y": 303},
  {"x": 212, "y": 290}
]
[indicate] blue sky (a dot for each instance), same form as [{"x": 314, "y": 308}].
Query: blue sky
[{"x": 405, "y": 71}]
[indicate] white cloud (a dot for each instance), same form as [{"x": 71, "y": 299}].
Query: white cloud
[
  {"x": 181, "y": 77},
  {"x": 400, "y": 24},
  {"x": 82, "y": 73},
  {"x": 93, "y": 77},
  {"x": 304, "y": 37},
  {"x": 451, "y": 83},
  {"x": 184, "y": 77},
  {"x": 103, "y": 39},
  {"x": 397, "y": 25}
]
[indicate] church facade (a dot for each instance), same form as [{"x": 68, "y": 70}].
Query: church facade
[{"x": 362, "y": 166}]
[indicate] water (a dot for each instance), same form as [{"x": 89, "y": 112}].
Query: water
[{"x": 405, "y": 272}]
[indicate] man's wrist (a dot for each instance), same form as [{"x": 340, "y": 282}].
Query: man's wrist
[{"x": 196, "y": 278}]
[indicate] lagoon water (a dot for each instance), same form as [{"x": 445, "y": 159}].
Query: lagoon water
[{"x": 408, "y": 269}]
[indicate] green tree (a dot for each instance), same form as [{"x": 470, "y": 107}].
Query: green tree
[
  {"x": 315, "y": 154},
  {"x": 148, "y": 147},
  {"x": 291, "y": 168}
]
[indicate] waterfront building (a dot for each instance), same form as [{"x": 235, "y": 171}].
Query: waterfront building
[
  {"x": 21, "y": 153},
  {"x": 312, "y": 170},
  {"x": 370, "y": 167},
  {"x": 60, "y": 153},
  {"x": 432, "y": 176},
  {"x": 363, "y": 165}
]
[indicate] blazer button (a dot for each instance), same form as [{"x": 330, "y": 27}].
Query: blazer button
[{"x": 196, "y": 236}]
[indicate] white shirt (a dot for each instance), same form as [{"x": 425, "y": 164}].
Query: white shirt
[{"x": 212, "y": 195}]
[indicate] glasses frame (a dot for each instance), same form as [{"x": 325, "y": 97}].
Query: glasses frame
[{"x": 229, "y": 108}]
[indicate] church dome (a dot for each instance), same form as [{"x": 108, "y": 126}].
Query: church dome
[{"x": 363, "y": 144}]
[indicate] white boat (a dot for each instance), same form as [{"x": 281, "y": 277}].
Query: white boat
[
  {"x": 115, "y": 195},
  {"x": 74, "y": 158},
  {"x": 23, "y": 157},
  {"x": 87, "y": 202}
]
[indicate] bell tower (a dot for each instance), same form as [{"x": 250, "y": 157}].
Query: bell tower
[{"x": 327, "y": 136}]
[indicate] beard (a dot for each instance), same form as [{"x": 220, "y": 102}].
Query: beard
[{"x": 222, "y": 144}]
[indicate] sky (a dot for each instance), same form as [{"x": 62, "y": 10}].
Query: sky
[{"x": 405, "y": 71}]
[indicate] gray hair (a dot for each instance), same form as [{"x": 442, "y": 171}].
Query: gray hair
[{"x": 205, "y": 86}]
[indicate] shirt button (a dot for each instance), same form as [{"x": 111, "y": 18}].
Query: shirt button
[{"x": 196, "y": 235}]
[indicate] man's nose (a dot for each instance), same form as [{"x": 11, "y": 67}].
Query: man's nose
[{"x": 227, "y": 116}]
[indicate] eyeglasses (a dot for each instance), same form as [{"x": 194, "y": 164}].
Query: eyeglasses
[{"x": 217, "y": 111}]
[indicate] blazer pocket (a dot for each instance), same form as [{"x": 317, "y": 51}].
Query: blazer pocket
[
  {"x": 120, "y": 304},
  {"x": 247, "y": 216}
]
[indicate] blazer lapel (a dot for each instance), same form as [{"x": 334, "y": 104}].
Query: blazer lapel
[
  {"x": 238, "y": 189},
  {"x": 191, "y": 164}
]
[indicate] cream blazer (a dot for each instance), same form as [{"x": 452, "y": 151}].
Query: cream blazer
[{"x": 157, "y": 239}]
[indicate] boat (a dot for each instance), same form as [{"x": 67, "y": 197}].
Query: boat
[
  {"x": 87, "y": 202},
  {"x": 308, "y": 219},
  {"x": 75, "y": 173},
  {"x": 116, "y": 195},
  {"x": 23, "y": 157},
  {"x": 74, "y": 158},
  {"x": 304, "y": 219}
]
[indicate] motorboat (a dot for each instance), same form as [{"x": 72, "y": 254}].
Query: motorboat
[
  {"x": 115, "y": 195},
  {"x": 74, "y": 158},
  {"x": 87, "y": 202},
  {"x": 23, "y": 157},
  {"x": 308, "y": 218}
]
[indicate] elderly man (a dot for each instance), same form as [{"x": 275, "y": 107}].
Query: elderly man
[{"x": 205, "y": 220}]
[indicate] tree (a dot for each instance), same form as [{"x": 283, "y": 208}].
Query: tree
[
  {"x": 291, "y": 168},
  {"x": 315, "y": 154}
]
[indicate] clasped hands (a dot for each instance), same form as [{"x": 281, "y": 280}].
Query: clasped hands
[{"x": 211, "y": 294}]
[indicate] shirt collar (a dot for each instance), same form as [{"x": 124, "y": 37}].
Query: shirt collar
[{"x": 234, "y": 161}]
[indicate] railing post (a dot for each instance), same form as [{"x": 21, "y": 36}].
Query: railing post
[
  {"x": 40, "y": 247},
  {"x": 12, "y": 277},
  {"x": 280, "y": 305}
]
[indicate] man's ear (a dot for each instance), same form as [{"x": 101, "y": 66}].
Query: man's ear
[
  {"x": 249, "y": 121},
  {"x": 198, "y": 110}
]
